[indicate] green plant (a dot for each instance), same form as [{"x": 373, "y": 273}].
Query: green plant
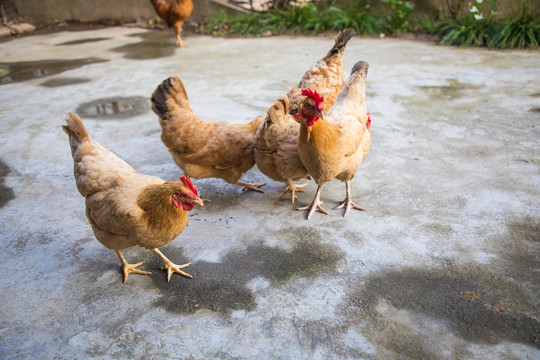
[
  {"x": 221, "y": 24},
  {"x": 362, "y": 20},
  {"x": 467, "y": 32},
  {"x": 427, "y": 25},
  {"x": 309, "y": 18},
  {"x": 519, "y": 32},
  {"x": 397, "y": 20}
]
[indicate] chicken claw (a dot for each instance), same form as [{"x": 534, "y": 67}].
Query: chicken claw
[
  {"x": 170, "y": 266},
  {"x": 348, "y": 203},
  {"x": 315, "y": 205},
  {"x": 130, "y": 268},
  {"x": 292, "y": 188},
  {"x": 250, "y": 186}
]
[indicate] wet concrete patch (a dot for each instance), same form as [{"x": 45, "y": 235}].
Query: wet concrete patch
[
  {"x": 83, "y": 41},
  {"x": 453, "y": 90},
  {"x": 498, "y": 311},
  {"x": 6, "y": 193},
  {"x": 63, "y": 82},
  {"x": 154, "y": 45},
  {"x": 519, "y": 251},
  {"x": 221, "y": 287},
  {"x": 28, "y": 70},
  {"x": 114, "y": 107}
]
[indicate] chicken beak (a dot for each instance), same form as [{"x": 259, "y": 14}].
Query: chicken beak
[{"x": 199, "y": 201}]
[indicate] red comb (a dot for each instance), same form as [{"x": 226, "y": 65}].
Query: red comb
[
  {"x": 315, "y": 96},
  {"x": 187, "y": 181}
]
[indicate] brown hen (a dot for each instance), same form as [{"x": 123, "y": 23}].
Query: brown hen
[
  {"x": 126, "y": 208},
  {"x": 334, "y": 146},
  {"x": 203, "y": 149},
  {"x": 276, "y": 153},
  {"x": 174, "y": 13}
]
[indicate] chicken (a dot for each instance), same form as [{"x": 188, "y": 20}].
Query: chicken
[
  {"x": 275, "y": 148},
  {"x": 275, "y": 142},
  {"x": 125, "y": 208},
  {"x": 326, "y": 76},
  {"x": 334, "y": 146},
  {"x": 174, "y": 13},
  {"x": 203, "y": 149}
]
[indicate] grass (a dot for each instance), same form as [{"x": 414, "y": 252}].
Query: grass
[
  {"x": 310, "y": 19},
  {"x": 518, "y": 31}
]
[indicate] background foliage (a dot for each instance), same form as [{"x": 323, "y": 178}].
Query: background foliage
[{"x": 459, "y": 23}]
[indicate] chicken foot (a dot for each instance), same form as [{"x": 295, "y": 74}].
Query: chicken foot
[
  {"x": 347, "y": 203},
  {"x": 315, "y": 204},
  {"x": 292, "y": 188},
  {"x": 250, "y": 186},
  {"x": 130, "y": 268},
  {"x": 170, "y": 266}
]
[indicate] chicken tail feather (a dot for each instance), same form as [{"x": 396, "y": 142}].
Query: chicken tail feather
[
  {"x": 76, "y": 131},
  {"x": 341, "y": 41},
  {"x": 169, "y": 88}
]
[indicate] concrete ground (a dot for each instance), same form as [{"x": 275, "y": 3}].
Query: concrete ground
[{"x": 444, "y": 264}]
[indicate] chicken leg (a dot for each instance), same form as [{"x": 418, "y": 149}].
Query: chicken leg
[
  {"x": 292, "y": 188},
  {"x": 250, "y": 186},
  {"x": 130, "y": 268},
  {"x": 315, "y": 204},
  {"x": 347, "y": 203},
  {"x": 170, "y": 266},
  {"x": 178, "y": 30}
]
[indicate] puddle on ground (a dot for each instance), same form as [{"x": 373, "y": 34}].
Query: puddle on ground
[
  {"x": 83, "y": 41},
  {"x": 221, "y": 287},
  {"x": 28, "y": 70},
  {"x": 453, "y": 90},
  {"x": 476, "y": 304},
  {"x": 63, "y": 82},
  {"x": 6, "y": 194},
  {"x": 114, "y": 107},
  {"x": 155, "y": 44}
]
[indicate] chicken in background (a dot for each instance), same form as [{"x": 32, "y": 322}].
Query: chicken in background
[
  {"x": 203, "y": 149},
  {"x": 334, "y": 146},
  {"x": 276, "y": 153},
  {"x": 174, "y": 13},
  {"x": 126, "y": 208}
]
